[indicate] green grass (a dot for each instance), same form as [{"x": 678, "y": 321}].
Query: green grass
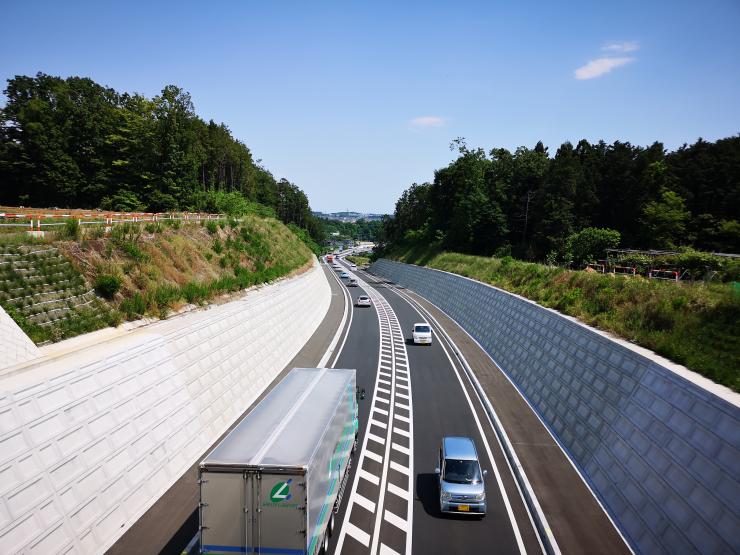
[{"x": 694, "y": 324}]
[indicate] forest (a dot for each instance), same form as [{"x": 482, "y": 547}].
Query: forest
[
  {"x": 532, "y": 205},
  {"x": 73, "y": 143}
]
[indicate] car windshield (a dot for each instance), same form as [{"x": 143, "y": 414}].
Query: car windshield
[
  {"x": 364, "y": 298},
  {"x": 423, "y": 329},
  {"x": 462, "y": 472}
]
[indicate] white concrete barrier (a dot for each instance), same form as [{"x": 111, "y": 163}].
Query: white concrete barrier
[
  {"x": 91, "y": 439},
  {"x": 15, "y": 346}
]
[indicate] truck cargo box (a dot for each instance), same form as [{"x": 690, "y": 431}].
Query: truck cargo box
[{"x": 270, "y": 486}]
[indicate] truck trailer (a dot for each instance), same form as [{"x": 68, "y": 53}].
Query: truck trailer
[{"x": 273, "y": 484}]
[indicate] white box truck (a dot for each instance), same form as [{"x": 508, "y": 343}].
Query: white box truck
[{"x": 273, "y": 483}]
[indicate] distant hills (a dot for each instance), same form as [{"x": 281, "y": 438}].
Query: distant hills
[{"x": 349, "y": 217}]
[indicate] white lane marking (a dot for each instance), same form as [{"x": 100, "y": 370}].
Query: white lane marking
[
  {"x": 401, "y": 432},
  {"x": 384, "y": 382},
  {"x": 384, "y": 390},
  {"x": 385, "y": 550},
  {"x": 363, "y": 501},
  {"x": 401, "y": 418},
  {"x": 402, "y": 406},
  {"x": 396, "y": 520},
  {"x": 373, "y": 457},
  {"x": 497, "y": 474},
  {"x": 395, "y": 490},
  {"x": 384, "y": 401},
  {"x": 372, "y": 478},
  {"x": 401, "y": 395},
  {"x": 400, "y": 468},
  {"x": 375, "y": 438},
  {"x": 354, "y": 532},
  {"x": 347, "y": 307},
  {"x": 400, "y": 448},
  {"x": 380, "y": 411},
  {"x": 379, "y": 424}
]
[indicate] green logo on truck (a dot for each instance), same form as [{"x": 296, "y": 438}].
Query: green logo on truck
[{"x": 281, "y": 492}]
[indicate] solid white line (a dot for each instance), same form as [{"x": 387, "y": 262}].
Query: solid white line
[
  {"x": 364, "y": 502},
  {"x": 395, "y": 490},
  {"x": 379, "y": 424},
  {"x": 396, "y": 520},
  {"x": 354, "y": 532},
  {"x": 400, "y": 468},
  {"x": 401, "y": 418},
  {"x": 373, "y": 457},
  {"x": 372, "y": 478},
  {"x": 337, "y": 335},
  {"x": 385, "y": 550},
  {"x": 375, "y": 438}
]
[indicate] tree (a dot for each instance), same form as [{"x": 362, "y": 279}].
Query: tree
[
  {"x": 589, "y": 245},
  {"x": 665, "y": 221}
]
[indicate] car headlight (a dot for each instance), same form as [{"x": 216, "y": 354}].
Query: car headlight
[
  {"x": 481, "y": 497},
  {"x": 445, "y": 495}
]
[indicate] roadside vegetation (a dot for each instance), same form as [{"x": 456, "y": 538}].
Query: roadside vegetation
[
  {"x": 77, "y": 280},
  {"x": 359, "y": 260},
  {"x": 694, "y": 324}
]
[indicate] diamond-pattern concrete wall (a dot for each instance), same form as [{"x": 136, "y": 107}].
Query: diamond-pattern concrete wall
[
  {"x": 89, "y": 441},
  {"x": 15, "y": 346},
  {"x": 662, "y": 453}
]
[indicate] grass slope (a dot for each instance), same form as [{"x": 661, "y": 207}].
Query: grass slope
[
  {"x": 694, "y": 324},
  {"x": 151, "y": 269}
]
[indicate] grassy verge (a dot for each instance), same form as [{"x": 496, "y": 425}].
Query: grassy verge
[
  {"x": 694, "y": 324},
  {"x": 359, "y": 260},
  {"x": 152, "y": 269}
]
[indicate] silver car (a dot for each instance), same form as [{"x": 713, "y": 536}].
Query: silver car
[{"x": 461, "y": 486}]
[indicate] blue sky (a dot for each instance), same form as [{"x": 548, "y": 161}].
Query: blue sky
[{"x": 354, "y": 101}]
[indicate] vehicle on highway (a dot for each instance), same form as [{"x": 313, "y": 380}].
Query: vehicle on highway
[
  {"x": 330, "y": 258},
  {"x": 461, "y": 486},
  {"x": 272, "y": 485},
  {"x": 353, "y": 266},
  {"x": 344, "y": 275},
  {"x": 363, "y": 300},
  {"x": 422, "y": 334},
  {"x": 352, "y": 282}
]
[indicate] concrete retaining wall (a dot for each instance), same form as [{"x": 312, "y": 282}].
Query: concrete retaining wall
[
  {"x": 91, "y": 439},
  {"x": 662, "y": 454},
  {"x": 15, "y": 346}
]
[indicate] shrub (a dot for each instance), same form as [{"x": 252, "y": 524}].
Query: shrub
[
  {"x": 211, "y": 226},
  {"x": 107, "y": 285},
  {"x": 135, "y": 306}
]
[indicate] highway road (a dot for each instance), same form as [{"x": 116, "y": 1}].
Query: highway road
[{"x": 415, "y": 395}]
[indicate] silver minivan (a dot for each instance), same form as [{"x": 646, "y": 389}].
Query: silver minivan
[{"x": 461, "y": 486}]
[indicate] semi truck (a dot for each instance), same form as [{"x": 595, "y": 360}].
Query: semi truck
[{"x": 274, "y": 483}]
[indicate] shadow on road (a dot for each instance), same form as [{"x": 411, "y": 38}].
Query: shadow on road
[{"x": 427, "y": 490}]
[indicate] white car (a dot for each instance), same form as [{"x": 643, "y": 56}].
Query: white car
[
  {"x": 352, "y": 282},
  {"x": 422, "y": 334},
  {"x": 353, "y": 267},
  {"x": 363, "y": 300}
]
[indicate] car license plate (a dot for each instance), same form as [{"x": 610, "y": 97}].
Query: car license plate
[{"x": 464, "y": 508}]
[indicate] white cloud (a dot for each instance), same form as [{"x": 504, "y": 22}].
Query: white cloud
[
  {"x": 600, "y": 66},
  {"x": 621, "y": 47},
  {"x": 424, "y": 122}
]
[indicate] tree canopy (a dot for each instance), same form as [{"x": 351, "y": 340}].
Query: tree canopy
[
  {"x": 534, "y": 206},
  {"x": 74, "y": 143}
]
